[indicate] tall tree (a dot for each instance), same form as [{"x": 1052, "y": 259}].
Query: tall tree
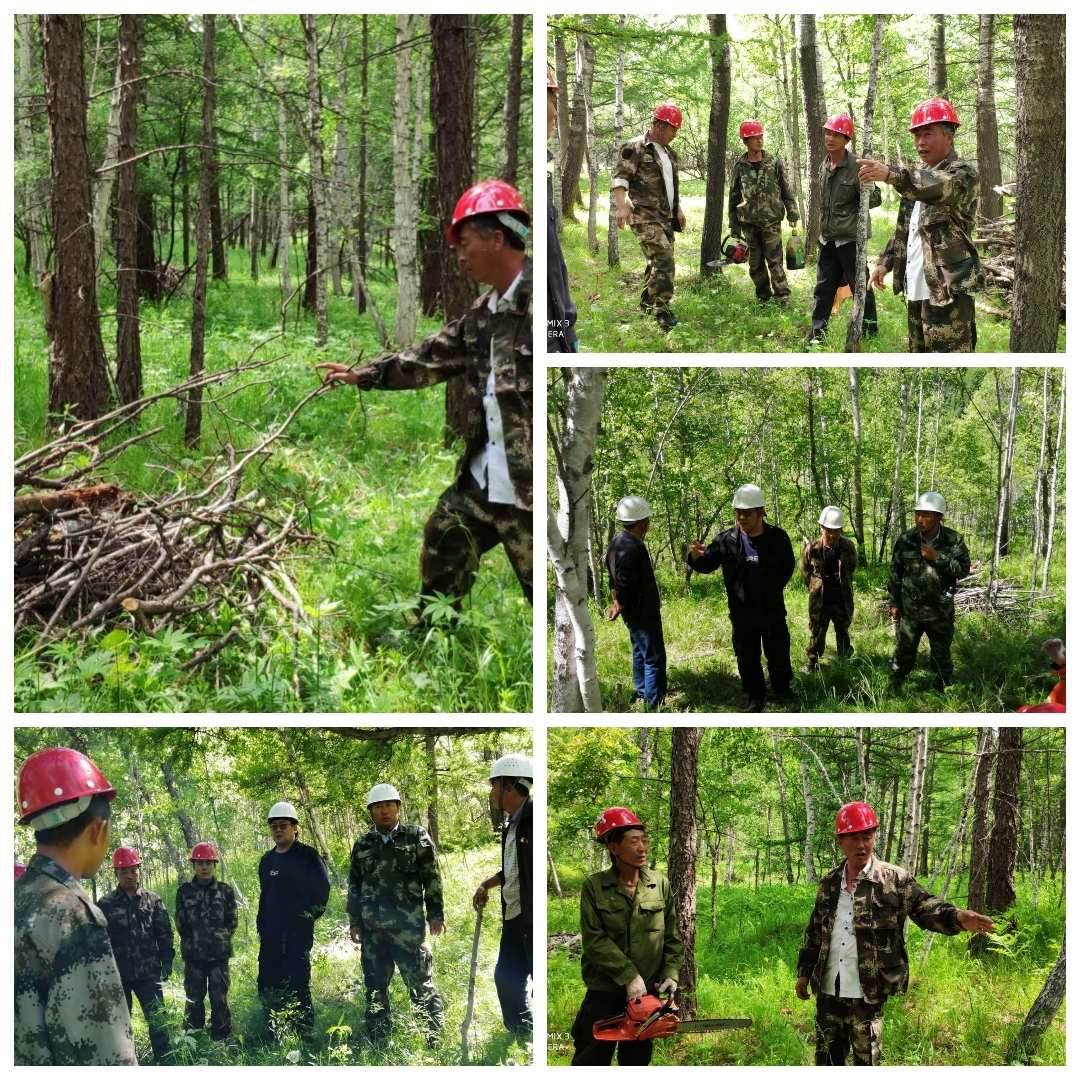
[
  {"x": 1052, "y": 521},
  {"x": 856, "y": 471},
  {"x": 105, "y": 178},
  {"x": 712, "y": 230},
  {"x": 1005, "y": 478},
  {"x": 591, "y": 163},
  {"x": 359, "y": 265},
  {"x": 1041, "y": 1013},
  {"x": 814, "y": 111},
  {"x": 320, "y": 201},
  {"x": 1040, "y": 176},
  {"x": 682, "y": 856},
  {"x": 512, "y": 107},
  {"x": 33, "y": 211},
  {"x": 937, "y": 70},
  {"x": 574, "y": 136},
  {"x": 78, "y": 377},
  {"x": 284, "y": 215},
  {"x": 914, "y": 812},
  {"x": 980, "y": 820},
  {"x": 986, "y": 127},
  {"x": 1004, "y": 838},
  {"x": 808, "y": 805},
  {"x": 620, "y": 65}
]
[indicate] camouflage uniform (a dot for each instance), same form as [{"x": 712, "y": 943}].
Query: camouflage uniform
[
  {"x": 885, "y": 896},
  {"x": 948, "y": 193},
  {"x": 835, "y": 604},
  {"x": 69, "y": 1001},
  {"x": 206, "y": 920},
  {"x": 923, "y": 591},
  {"x": 142, "y": 942},
  {"x": 465, "y": 523},
  {"x": 759, "y": 196},
  {"x": 655, "y": 220},
  {"x": 390, "y": 884}
]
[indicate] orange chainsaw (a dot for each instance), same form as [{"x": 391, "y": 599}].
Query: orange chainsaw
[{"x": 647, "y": 1017}]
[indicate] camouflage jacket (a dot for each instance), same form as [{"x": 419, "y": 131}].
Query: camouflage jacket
[
  {"x": 69, "y": 1001},
  {"x": 840, "y": 194},
  {"x": 638, "y": 169},
  {"x": 759, "y": 192},
  {"x": 141, "y": 934},
  {"x": 468, "y": 346},
  {"x": 622, "y": 938},
  {"x": 921, "y": 589},
  {"x": 812, "y": 569},
  {"x": 391, "y": 883},
  {"x": 883, "y": 899},
  {"x": 206, "y": 920},
  {"x": 948, "y": 193}
]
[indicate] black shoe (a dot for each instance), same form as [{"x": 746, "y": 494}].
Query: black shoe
[
  {"x": 749, "y": 704},
  {"x": 666, "y": 319},
  {"x": 940, "y": 684},
  {"x": 896, "y": 684},
  {"x": 870, "y": 329}
]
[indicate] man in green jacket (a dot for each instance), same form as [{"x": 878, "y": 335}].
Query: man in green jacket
[
  {"x": 630, "y": 942},
  {"x": 853, "y": 956}
]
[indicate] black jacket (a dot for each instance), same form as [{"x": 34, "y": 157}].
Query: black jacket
[
  {"x": 561, "y": 311},
  {"x": 524, "y": 845},
  {"x": 293, "y": 890},
  {"x": 633, "y": 582},
  {"x": 776, "y": 565}
]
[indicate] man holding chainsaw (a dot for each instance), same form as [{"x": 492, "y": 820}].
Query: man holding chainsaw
[
  {"x": 853, "y": 956},
  {"x": 630, "y": 944}
]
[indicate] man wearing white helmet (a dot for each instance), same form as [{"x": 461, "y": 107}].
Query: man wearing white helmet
[
  {"x": 510, "y": 798},
  {"x": 827, "y": 566},
  {"x": 293, "y": 889},
  {"x": 636, "y": 597},
  {"x": 927, "y": 562},
  {"x": 393, "y": 876},
  {"x": 757, "y": 561}
]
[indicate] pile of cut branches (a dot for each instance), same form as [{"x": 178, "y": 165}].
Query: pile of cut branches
[
  {"x": 85, "y": 551},
  {"x": 1005, "y": 599},
  {"x": 996, "y": 243}
]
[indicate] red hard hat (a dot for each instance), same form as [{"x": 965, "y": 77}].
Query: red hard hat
[
  {"x": 487, "y": 197},
  {"x": 204, "y": 852},
  {"x": 125, "y": 857},
  {"x": 669, "y": 113},
  {"x": 855, "y": 817},
  {"x": 616, "y": 817},
  {"x": 20, "y": 869},
  {"x": 750, "y": 128},
  {"x": 54, "y": 776},
  {"x": 841, "y": 124},
  {"x": 935, "y": 111},
  {"x": 553, "y": 85},
  {"x": 1044, "y": 707}
]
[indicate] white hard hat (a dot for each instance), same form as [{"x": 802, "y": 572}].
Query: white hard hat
[
  {"x": 516, "y": 765},
  {"x": 748, "y": 497},
  {"x": 383, "y": 793},
  {"x": 283, "y": 810},
  {"x": 632, "y": 508},
  {"x": 832, "y": 517},
  {"x": 931, "y": 500}
]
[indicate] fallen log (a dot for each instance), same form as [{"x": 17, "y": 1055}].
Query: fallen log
[{"x": 37, "y": 503}]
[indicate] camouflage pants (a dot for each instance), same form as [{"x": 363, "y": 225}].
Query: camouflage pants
[
  {"x": 939, "y": 633},
  {"x": 152, "y": 1001},
  {"x": 379, "y": 953},
  {"x": 658, "y": 246},
  {"x": 843, "y": 1024},
  {"x": 766, "y": 261},
  {"x": 462, "y": 527},
  {"x": 207, "y": 980},
  {"x": 942, "y": 329},
  {"x": 820, "y": 618}
]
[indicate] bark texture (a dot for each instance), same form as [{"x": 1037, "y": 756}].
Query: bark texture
[{"x": 682, "y": 856}]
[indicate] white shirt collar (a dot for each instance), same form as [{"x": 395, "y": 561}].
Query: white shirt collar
[{"x": 495, "y": 300}]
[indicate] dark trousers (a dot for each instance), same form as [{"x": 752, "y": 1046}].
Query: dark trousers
[
  {"x": 152, "y": 1002},
  {"x": 649, "y": 661},
  {"x": 837, "y": 614},
  {"x": 512, "y": 971},
  {"x": 285, "y": 978},
  {"x": 846, "y": 1025},
  {"x": 600, "y": 1005},
  {"x": 749, "y": 639},
  {"x": 202, "y": 981},
  {"x": 836, "y": 266}
]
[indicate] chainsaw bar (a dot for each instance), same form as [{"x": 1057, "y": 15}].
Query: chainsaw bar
[{"x": 689, "y": 1027}]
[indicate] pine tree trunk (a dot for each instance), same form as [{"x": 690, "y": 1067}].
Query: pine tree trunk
[
  {"x": 782, "y": 791},
  {"x": 219, "y": 260},
  {"x": 319, "y": 194},
  {"x": 338, "y": 194},
  {"x": 146, "y": 257},
  {"x": 986, "y": 129},
  {"x": 893, "y": 513},
  {"x": 712, "y": 230},
  {"x": 406, "y": 187},
  {"x": 814, "y": 109},
  {"x": 1001, "y": 863},
  {"x": 1041, "y": 1014},
  {"x": 980, "y": 821},
  {"x": 588, "y": 61},
  {"x": 857, "y": 493},
  {"x": 1051, "y": 525},
  {"x": 433, "y": 789},
  {"x": 359, "y": 266},
  {"x": 32, "y": 193},
  {"x": 284, "y": 217},
  {"x": 682, "y": 856},
  {"x": 512, "y": 108},
  {"x": 1001, "y": 533},
  {"x": 938, "y": 73}
]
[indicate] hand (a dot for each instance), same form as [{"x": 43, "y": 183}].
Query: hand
[
  {"x": 356, "y": 934},
  {"x": 363, "y": 377},
  {"x": 877, "y": 276},
  {"x": 871, "y": 171},
  {"x": 436, "y": 927},
  {"x": 975, "y": 922},
  {"x": 682, "y": 218},
  {"x": 667, "y": 988},
  {"x": 801, "y": 988},
  {"x": 635, "y": 988},
  {"x": 929, "y": 553},
  {"x": 623, "y": 213},
  {"x": 697, "y": 549},
  {"x": 894, "y": 614},
  {"x": 613, "y": 611},
  {"x": 480, "y": 897}
]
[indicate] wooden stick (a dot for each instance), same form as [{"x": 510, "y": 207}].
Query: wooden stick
[{"x": 472, "y": 988}]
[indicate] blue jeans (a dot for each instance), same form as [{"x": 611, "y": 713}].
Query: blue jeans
[{"x": 649, "y": 661}]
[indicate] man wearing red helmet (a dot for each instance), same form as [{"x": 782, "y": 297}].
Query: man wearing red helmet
[
  {"x": 562, "y": 311},
  {"x": 759, "y": 196},
  {"x": 69, "y": 1002},
  {"x": 142, "y": 942},
  {"x": 647, "y": 170},
  {"x": 931, "y": 256},
  {"x": 490, "y": 501},
  {"x": 853, "y": 956},
  {"x": 630, "y": 943},
  {"x": 840, "y": 196}
]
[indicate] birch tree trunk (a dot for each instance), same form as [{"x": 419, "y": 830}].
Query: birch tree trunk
[
  {"x": 1051, "y": 525},
  {"x": 406, "y": 187},
  {"x": 782, "y": 790},
  {"x": 682, "y": 856},
  {"x": 573, "y": 136},
  {"x": 32, "y": 196},
  {"x": 319, "y": 199},
  {"x": 1041, "y": 1014},
  {"x": 857, "y": 494},
  {"x": 915, "y": 799},
  {"x": 987, "y": 151},
  {"x": 893, "y": 512},
  {"x": 712, "y": 230},
  {"x": 808, "y": 802},
  {"x": 612, "y": 228},
  {"x": 339, "y": 187},
  {"x": 105, "y": 178},
  {"x": 1039, "y": 501},
  {"x": 1001, "y": 531},
  {"x": 574, "y": 684},
  {"x": 284, "y": 217},
  {"x": 589, "y": 60},
  {"x": 937, "y": 70}
]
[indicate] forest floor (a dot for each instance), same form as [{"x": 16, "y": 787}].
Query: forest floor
[
  {"x": 998, "y": 665},
  {"x": 337, "y": 989},
  {"x": 721, "y": 313},
  {"x": 959, "y": 1009},
  {"x": 364, "y": 471}
]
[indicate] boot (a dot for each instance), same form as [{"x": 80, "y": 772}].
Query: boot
[{"x": 666, "y": 319}]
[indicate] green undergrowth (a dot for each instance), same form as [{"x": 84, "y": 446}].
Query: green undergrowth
[
  {"x": 959, "y": 1009},
  {"x": 361, "y": 473},
  {"x": 721, "y": 313}
]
